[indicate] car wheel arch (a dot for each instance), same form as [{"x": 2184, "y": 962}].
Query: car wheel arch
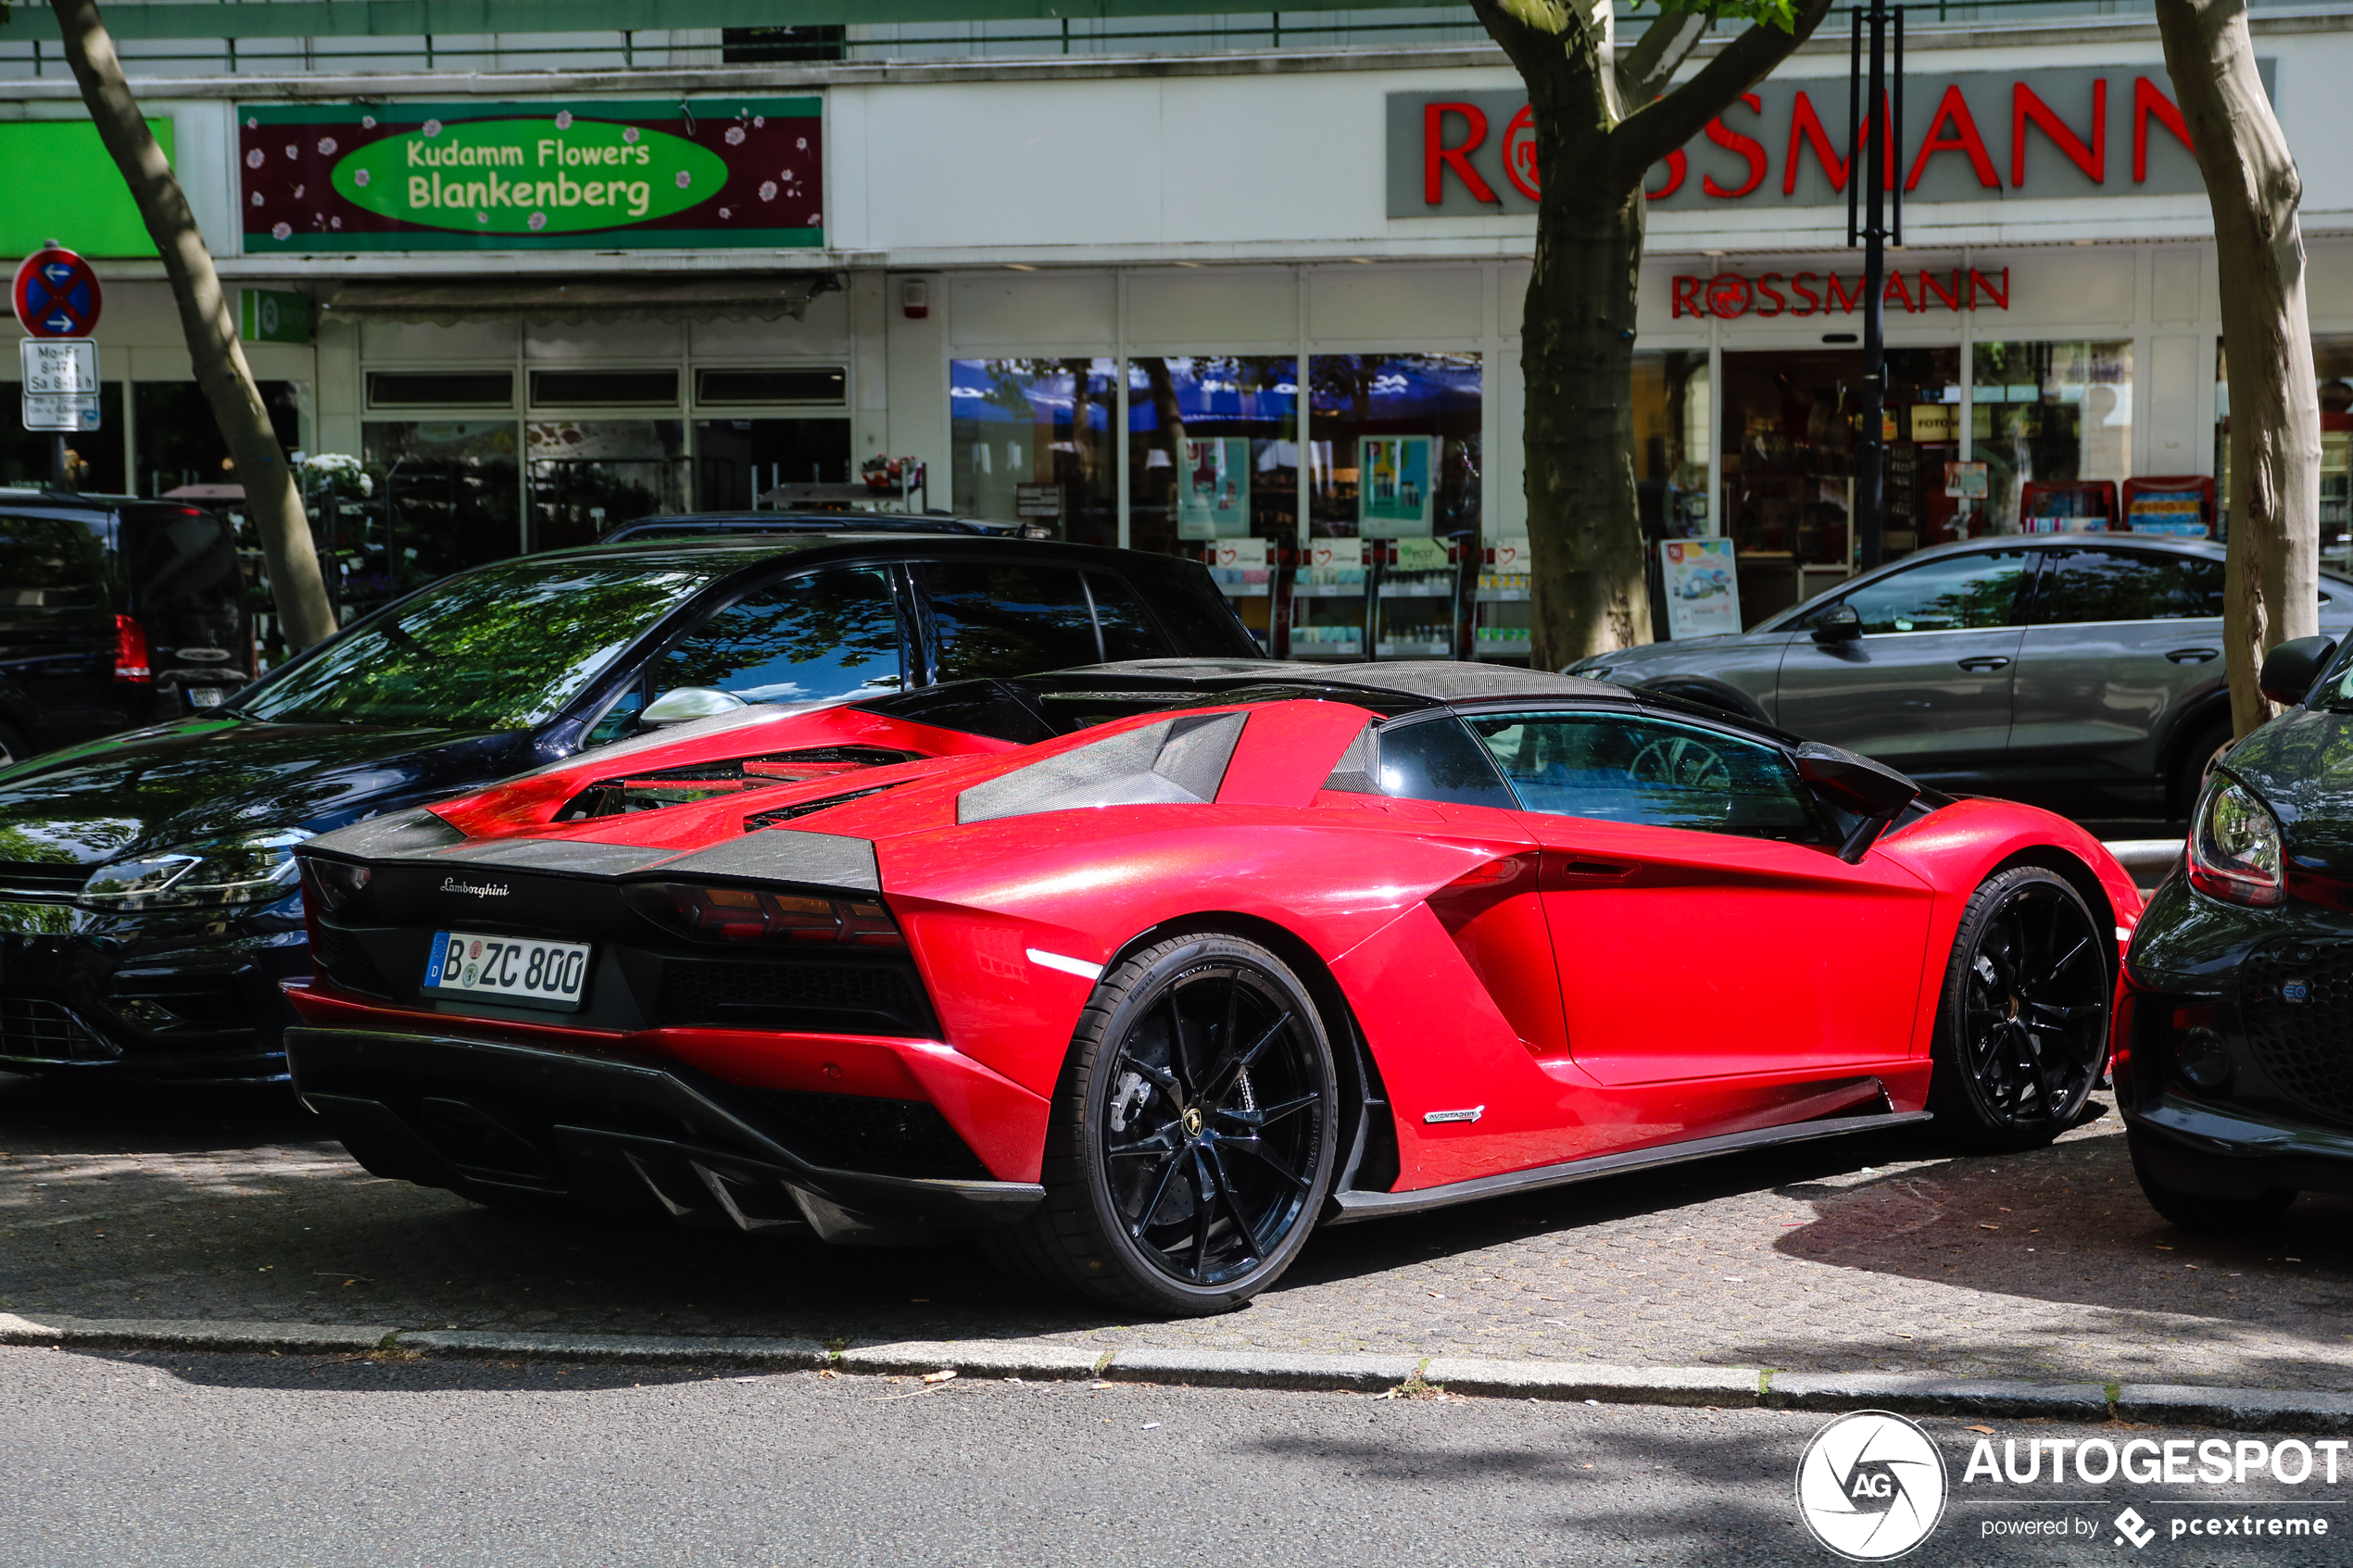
[
  {"x": 2185, "y": 731},
  {"x": 1368, "y": 1151},
  {"x": 2086, "y": 882}
]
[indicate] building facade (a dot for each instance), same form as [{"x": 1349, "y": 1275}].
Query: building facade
[{"x": 1261, "y": 301}]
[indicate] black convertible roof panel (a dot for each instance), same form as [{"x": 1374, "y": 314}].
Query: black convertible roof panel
[{"x": 1431, "y": 680}]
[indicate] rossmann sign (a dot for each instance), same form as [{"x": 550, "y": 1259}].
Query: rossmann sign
[{"x": 2058, "y": 134}]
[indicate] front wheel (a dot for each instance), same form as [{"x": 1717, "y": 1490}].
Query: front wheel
[
  {"x": 1192, "y": 1137},
  {"x": 2021, "y": 1031}
]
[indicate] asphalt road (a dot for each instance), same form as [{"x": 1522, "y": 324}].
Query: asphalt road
[{"x": 144, "y": 1459}]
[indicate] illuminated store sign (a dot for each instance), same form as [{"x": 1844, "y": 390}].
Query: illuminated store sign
[{"x": 628, "y": 176}]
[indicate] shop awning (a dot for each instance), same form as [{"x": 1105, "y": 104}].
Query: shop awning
[{"x": 759, "y": 297}]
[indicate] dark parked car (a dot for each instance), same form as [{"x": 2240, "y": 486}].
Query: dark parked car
[
  {"x": 704, "y": 525},
  {"x": 148, "y": 904},
  {"x": 2233, "y": 1067},
  {"x": 113, "y": 613},
  {"x": 2078, "y": 671}
]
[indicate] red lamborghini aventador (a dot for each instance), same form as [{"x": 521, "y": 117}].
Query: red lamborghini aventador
[{"x": 1139, "y": 972}]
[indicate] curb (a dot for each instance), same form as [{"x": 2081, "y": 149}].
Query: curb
[{"x": 2175, "y": 1405}]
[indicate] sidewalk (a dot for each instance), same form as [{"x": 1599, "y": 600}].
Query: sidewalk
[{"x": 1847, "y": 1259}]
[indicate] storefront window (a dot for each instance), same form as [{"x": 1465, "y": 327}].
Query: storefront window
[
  {"x": 93, "y": 458},
  {"x": 1031, "y": 440},
  {"x": 445, "y": 498},
  {"x": 179, "y": 441},
  {"x": 737, "y": 461},
  {"x": 1394, "y": 446},
  {"x": 1789, "y": 452},
  {"x": 1212, "y": 451},
  {"x": 1671, "y": 417},
  {"x": 2053, "y": 424},
  {"x": 589, "y": 476},
  {"x": 2333, "y": 365}
]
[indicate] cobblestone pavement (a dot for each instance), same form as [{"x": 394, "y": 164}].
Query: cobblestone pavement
[{"x": 1861, "y": 1255}]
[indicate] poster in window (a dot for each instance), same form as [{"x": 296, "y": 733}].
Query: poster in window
[
  {"x": 1394, "y": 498},
  {"x": 1213, "y": 493},
  {"x": 1703, "y": 587}
]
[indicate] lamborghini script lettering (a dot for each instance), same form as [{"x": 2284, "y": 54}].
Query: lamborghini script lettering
[{"x": 476, "y": 889}]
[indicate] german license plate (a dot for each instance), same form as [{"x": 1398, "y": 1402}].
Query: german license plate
[
  {"x": 206, "y": 696},
  {"x": 514, "y": 969}
]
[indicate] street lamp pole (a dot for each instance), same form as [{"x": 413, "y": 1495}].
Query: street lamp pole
[{"x": 1873, "y": 128}]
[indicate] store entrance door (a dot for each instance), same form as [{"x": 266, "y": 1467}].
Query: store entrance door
[{"x": 1789, "y": 463}]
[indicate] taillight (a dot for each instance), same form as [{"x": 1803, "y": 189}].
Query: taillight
[
  {"x": 757, "y": 914},
  {"x": 130, "y": 650}
]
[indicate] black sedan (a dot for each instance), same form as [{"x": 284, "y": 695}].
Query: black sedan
[
  {"x": 148, "y": 898},
  {"x": 2234, "y": 1046}
]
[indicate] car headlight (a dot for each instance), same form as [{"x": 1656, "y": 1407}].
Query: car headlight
[
  {"x": 2234, "y": 848},
  {"x": 259, "y": 870}
]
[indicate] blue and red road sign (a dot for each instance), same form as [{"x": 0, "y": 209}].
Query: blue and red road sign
[{"x": 57, "y": 295}]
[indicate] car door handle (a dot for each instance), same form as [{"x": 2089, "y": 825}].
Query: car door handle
[
  {"x": 2194, "y": 655},
  {"x": 1984, "y": 661}
]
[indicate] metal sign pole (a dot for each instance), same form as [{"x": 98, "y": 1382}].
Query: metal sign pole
[{"x": 1874, "y": 160}]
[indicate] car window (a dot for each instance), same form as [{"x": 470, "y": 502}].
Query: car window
[
  {"x": 186, "y": 586},
  {"x": 49, "y": 563},
  {"x": 1622, "y": 769},
  {"x": 1437, "y": 759},
  {"x": 1127, "y": 630},
  {"x": 501, "y": 648},
  {"x": 816, "y": 636},
  {"x": 1948, "y": 593},
  {"x": 2106, "y": 584},
  {"x": 996, "y": 619}
]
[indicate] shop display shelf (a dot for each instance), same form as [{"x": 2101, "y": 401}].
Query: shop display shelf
[
  {"x": 1502, "y": 647},
  {"x": 1245, "y": 590},
  {"x": 1327, "y": 651},
  {"x": 1417, "y": 591},
  {"x": 1500, "y": 595},
  {"x": 1412, "y": 650},
  {"x": 1327, "y": 590}
]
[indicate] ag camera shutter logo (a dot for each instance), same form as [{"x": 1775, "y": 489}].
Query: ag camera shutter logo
[{"x": 1871, "y": 1486}]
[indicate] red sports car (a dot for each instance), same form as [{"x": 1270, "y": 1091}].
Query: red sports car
[{"x": 1140, "y": 971}]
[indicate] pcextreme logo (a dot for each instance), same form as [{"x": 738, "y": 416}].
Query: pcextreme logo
[{"x": 1871, "y": 1486}]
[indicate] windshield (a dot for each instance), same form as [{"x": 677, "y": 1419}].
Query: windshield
[{"x": 501, "y": 648}]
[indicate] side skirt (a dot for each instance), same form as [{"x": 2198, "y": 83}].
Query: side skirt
[{"x": 1351, "y": 1205}]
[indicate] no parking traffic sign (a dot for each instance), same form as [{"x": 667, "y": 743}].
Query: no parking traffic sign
[{"x": 57, "y": 295}]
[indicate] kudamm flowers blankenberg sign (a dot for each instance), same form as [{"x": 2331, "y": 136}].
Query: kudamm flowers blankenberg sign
[{"x": 665, "y": 175}]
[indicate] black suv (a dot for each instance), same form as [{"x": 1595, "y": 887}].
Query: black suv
[
  {"x": 113, "y": 613},
  {"x": 148, "y": 903}
]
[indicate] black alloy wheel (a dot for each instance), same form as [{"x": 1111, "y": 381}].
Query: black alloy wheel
[
  {"x": 2021, "y": 1032},
  {"x": 1193, "y": 1134}
]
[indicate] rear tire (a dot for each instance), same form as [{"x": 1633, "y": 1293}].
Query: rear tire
[
  {"x": 2189, "y": 780},
  {"x": 2021, "y": 1031},
  {"x": 2199, "y": 1212},
  {"x": 1192, "y": 1137}
]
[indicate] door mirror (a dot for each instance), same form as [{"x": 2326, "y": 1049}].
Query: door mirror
[
  {"x": 1857, "y": 785},
  {"x": 688, "y": 703},
  {"x": 2290, "y": 669},
  {"x": 1838, "y": 623}
]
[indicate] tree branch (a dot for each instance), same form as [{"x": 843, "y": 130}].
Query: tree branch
[
  {"x": 1537, "y": 34},
  {"x": 1644, "y": 70},
  {"x": 1659, "y": 128}
]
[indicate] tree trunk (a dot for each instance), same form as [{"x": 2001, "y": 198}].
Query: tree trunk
[
  {"x": 1589, "y": 584},
  {"x": 2271, "y": 584},
  {"x": 272, "y": 499}
]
